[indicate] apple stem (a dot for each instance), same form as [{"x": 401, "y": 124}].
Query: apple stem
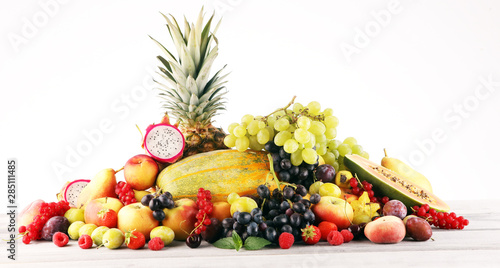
[
  {"x": 385, "y": 152},
  {"x": 119, "y": 170}
]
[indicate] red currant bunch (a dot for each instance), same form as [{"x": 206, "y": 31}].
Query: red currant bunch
[
  {"x": 359, "y": 188},
  {"x": 33, "y": 231},
  {"x": 441, "y": 220},
  {"x": 205, "y": 208},
  {"x": 125, "y": 193}
]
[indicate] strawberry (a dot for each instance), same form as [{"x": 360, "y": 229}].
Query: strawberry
[
  {"x": 134, "y": 239},
  {"x": 311, "y": 234},
  {"x": 286, "y": 240},
  {"x": 326, "y": 227},
  {"x": 107, "y": 217}
]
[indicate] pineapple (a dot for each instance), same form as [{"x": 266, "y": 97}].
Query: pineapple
[{"x": 191, "y": 95}]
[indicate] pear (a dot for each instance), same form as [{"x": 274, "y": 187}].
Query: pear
[
  {"x": 407, "y": 172},
  {"x": 102, "y": 185}
]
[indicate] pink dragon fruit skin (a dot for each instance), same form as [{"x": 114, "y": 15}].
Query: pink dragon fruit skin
[
  {"x": 73, "y": 190},
  {"x": 164, "y": 142}
]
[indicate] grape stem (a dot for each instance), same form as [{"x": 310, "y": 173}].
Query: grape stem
[{"x": 282, "y": 109}]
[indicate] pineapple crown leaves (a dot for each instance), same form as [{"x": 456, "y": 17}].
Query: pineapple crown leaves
[{"x": 191, "y": 94}]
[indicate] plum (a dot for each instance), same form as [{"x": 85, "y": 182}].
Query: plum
[
  {"x": 54, "y": 225},
  {"x": 213, "y": 231},
  {"x": 418, "y": 229},
  {"x": 395, "y": 208}
]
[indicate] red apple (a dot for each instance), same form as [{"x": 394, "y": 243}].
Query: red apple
[
  {"x": 28, "y": 213},
  {"x": 385, "y": 230},
  {"x": 136, "y": 217},
  {"x": 181, "y": 218},
  {"x": 334, "y": 210},
  {"x": 94, "y": 206},
  {"x": 140, "y": 172}
]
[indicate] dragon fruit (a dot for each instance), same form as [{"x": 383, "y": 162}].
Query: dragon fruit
[
  {"x": 71, "y": 191},
  {"x": 164, "y": 142}
]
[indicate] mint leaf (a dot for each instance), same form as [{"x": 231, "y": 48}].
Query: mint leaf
[
  {"x": 237, "y": 241},
  {"x": 225, "y": 243},
  {"x": 254, "y": 243}
]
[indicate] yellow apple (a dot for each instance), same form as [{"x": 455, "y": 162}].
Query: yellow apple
[{"x": 137, "y": 217}]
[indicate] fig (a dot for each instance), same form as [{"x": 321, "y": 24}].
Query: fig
[{"x": 418, "y": 229}]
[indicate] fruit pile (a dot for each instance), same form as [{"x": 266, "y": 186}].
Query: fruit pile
[{"x": 289, "y": 181}]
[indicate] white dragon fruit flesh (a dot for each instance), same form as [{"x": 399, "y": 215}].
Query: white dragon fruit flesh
[
  {"x": 72, "y": 190},
  {"x": 164, "y": 142}
]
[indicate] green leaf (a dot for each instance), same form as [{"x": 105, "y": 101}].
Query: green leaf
[
  {"x": 254, "y": 243},
  {"x": 237, "y": 241},
  {"x": 225, "y": 243}
]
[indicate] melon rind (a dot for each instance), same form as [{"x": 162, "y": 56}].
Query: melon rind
[
  {"x": 220, "y": 171},
  {"x": 385, "y": 187}
]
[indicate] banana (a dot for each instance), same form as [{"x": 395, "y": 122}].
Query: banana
[{"x": 406, "y": 171}]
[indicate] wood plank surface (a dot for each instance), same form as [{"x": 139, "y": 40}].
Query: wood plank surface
[{"x": 478, "y": 245}]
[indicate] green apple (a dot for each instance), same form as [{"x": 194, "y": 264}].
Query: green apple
[
  {"x": 98, "y": 233},
  {"x": 74, "y": 229},
  {"x": 87, "y": 229},
  {"x": 165, "y": 233},
  {"x": 113, "y": 238},
  {"x": 75, "y": 214}
]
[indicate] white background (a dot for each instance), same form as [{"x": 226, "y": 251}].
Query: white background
[{"x": 66, "y": 70}]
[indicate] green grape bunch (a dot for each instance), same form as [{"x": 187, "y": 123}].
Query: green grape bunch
[{"x": 304, "y": 132}]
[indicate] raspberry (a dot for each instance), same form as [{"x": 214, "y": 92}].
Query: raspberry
[
  {"x": 60, "y": 239},
  {"x": 348, "y": 236},
  {"x": 286, "y": 240},
  {"x": 85, "y": 241},
  {"x": 335, "y": 238},
  {"x": 326, "y": 227},
  {"x": 156, "y": 243}
]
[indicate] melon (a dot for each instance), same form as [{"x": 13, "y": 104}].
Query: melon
[
  {"x": 220, "y": 171},
  {"x": 388, "y": 183}
]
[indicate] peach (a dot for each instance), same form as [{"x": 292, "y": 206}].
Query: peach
[
  {"x": 94, "y": 206},
  {"x": 136, "y": 217},
  {"x": 221, "y": 210},
  {"x": 29, "y": 212},
  {"x": 334, "y": 210},
  {"x": 140, "y": 172},
  {"x": 181, "y": 218},
  {"x": 385, "y": 230}
]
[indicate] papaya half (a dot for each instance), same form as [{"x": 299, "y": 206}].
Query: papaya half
[
  {"x": 392, "y": 185},
  {"x": 220, "y": 171}
]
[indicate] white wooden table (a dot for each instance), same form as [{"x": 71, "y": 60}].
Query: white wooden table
[{"x": 478, "y": 245}]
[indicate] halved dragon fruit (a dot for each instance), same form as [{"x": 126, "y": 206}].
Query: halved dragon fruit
[
  {"x": 164, "y": 142},
  {"x": 71, "y": 191}
]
